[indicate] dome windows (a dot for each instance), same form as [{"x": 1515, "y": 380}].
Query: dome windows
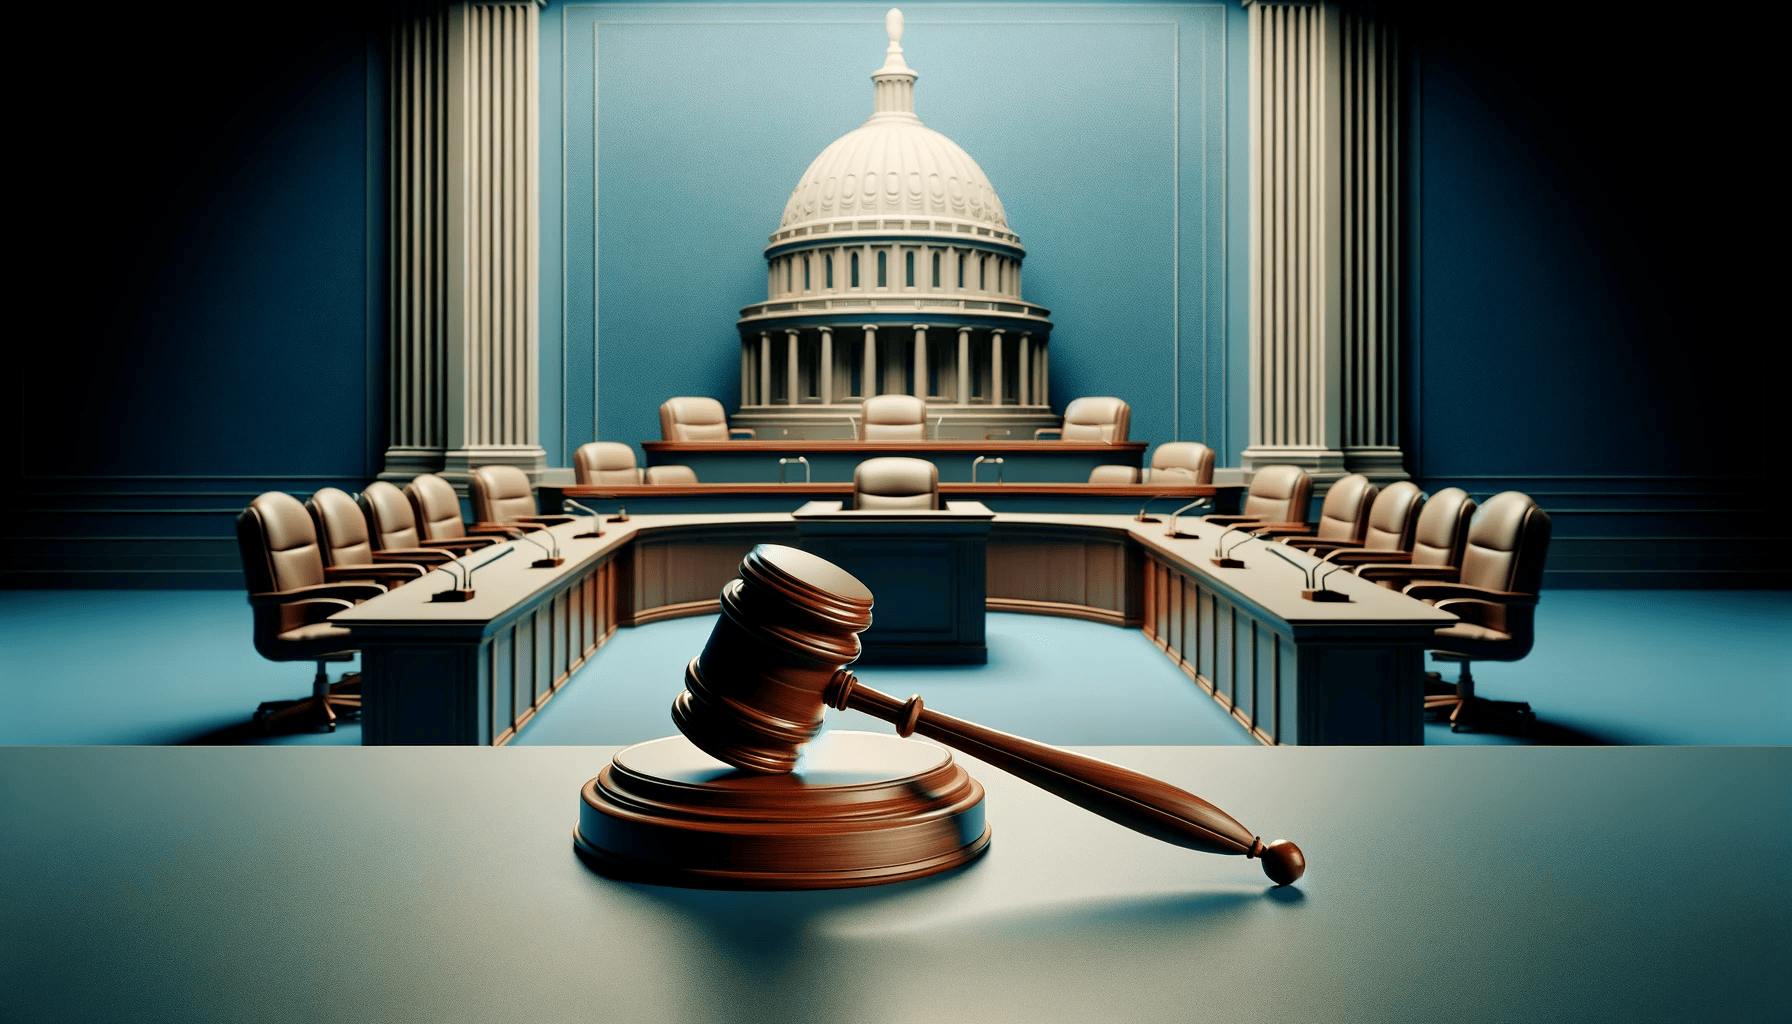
[
  {"x": 828, "y": 269},
  {"x": 936, "y": 270},
  {"x": 855, "y": 270},
  {"x": 908, "y": 269},
  {"x": 883, "y": 277}
]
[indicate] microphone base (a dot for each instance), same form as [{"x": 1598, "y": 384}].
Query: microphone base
[
  {"x": 547, "y": 563},
  {"x": 1326, "y": 596},
  {"x": 1146, "y": 519},
  {"x": 1232, "y": 563},
  {"x": 452, "y": 595},
  {"x": 623, "y": 518},
  {"x": 587, "y": 536}
]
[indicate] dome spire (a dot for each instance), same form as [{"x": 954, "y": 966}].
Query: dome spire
[{"x": 893, "y": 89}]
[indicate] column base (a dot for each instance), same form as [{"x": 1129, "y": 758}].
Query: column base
[
  {"x": 404, "y": 463},
  {"x": 1322, "y": 464},
  {"x": 1381, "y": 465},
  {"x": 459, "y": 463}
]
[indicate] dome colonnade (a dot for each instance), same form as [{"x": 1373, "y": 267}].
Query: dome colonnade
[{"x": 894, "y": 271}]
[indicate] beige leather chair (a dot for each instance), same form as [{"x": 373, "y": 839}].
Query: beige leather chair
[
  {"x": 1093, "y": 419},
  {"x": 347, "y": 546},
  {"x": 1278, "y": 496},
  {"x": 1182, "y": 462},
  {"x": 1113, "y": 475},
  {"x": 1436, "y": 554},
  {"x": 1496, "y": 598},
  {"x": 605, "y": 462},
  {"x": 896, "y": 483},
  {"x": 671, "y": 475},
  {"x": 292, "y": 598},
  {"x": 1343, "y": 517},
  {"x": 392, "y": 523},
  {"x": 693, "y": 418},
  {"x": 1393, "y": 517},
  {"x": 893, "y": 418},
  {"x": 503, "y": 496},
  {"x": 438, "y": 511}
]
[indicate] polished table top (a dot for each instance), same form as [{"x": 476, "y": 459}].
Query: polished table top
[{"x": 438, "y": 884}]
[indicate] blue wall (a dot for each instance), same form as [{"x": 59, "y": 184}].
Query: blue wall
[
  {"x": 1110, "y": 131},
  {"x": 201, "y": 249}
]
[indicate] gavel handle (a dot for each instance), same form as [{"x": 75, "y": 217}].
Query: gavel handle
[{"x": 1139, "y": 802}]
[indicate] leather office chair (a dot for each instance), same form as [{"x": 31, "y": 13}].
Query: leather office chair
[
  {"x": 1113, "y": 475},
  {"x": 438, "y": 512},
  {"x": 292, "y": 597},
  {"x": 664, "y": 475},
  {"x": 605, "y": 462},
  {"x": 347, "y": 548},
  {"x": 693, "y": 418},
  {"x": 1437, "y": 542},
  {"x": 1344, "y": 516},
  {"x": 893, "y": 418},
  {"x": 392, "y": 523},
  {"x": 503, "y": 496},
  {"x": 1278, "y": 496},
  {"x": 896, "y": 483},
  {"x": 1182, "y": 462},
  {"x": 1393, "y": 517},
  {"x": 1092, "y": 419},
  {"x": 1496, "y": 598}
]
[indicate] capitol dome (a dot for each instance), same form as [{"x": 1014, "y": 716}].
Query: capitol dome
[{"x": 894, "y": 271}]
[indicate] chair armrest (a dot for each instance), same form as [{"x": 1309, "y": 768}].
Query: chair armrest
[
  {"x": 1362, "y": 556},
  {"x": 1445, "y": 591},
  {"x": 1049, "y": 430},
  {"x": 347, "y": 590},
  {"x": 418, "y": 556},
  {"x": 496, "y": 529},
  {"x": 462, "y": 544},
  {"x": 1446, "y": 573},
  {"x": 398, "y": 572},
  {"x": 1282, "y": 530},
  {"x": 740, "y": 430},
  {"x": 319, "y": 609}
]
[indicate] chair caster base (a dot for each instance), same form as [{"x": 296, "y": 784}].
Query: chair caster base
[{"x": 1477, "y": 714}]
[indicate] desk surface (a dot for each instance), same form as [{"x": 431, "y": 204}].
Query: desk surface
[{"x": 431, "y": 884}]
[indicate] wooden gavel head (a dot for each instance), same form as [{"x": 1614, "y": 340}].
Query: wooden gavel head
[{"x": 789, "y": 624}]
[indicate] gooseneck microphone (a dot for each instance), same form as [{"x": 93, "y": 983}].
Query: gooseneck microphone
[
  {"x": 597, "y": 520},
  {"x": 551, "y": 557},
  {"x": 464, "y": 592},
  {"x": 1140, "y": 518},
  {"x": 1197, "y": 503}
]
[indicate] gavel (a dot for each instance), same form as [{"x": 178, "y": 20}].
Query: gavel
[{"x": 776, "y": 661}]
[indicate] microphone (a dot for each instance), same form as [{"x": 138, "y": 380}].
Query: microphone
[
  {"x": 465, "y": 593},
  {"x": 552, "y": 558},
  {"x": 1171, "y": 532},
  {"x": 597, "y": 520},
  {"x": 1306, "y": 575},
  {"x": 1222, "y": 557},
  {"x": 1140, "y": 518},
  {"x": 1315, "y": 584}
]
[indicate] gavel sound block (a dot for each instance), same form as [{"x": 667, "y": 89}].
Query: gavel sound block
[{"x": 731, "y": 804}]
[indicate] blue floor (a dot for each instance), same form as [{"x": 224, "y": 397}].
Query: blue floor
[{"x": 1631, "y": 667}]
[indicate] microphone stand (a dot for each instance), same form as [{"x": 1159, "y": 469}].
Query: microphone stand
[
  {"x": 1222, "y": 556},
  {"x": 1171, "y": 532},
  {"x": 552, "y": 558},
  {"x": 1141, "y": 517},
  {"x": 597, "y": 520},
  {"x": 465, "y": 593}
]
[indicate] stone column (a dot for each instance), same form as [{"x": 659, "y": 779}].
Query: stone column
[
  {"x": 995, "y": 366},
  {"x": 1023, "y": 379},
  {"x": 746, "y": 374},
  {"x": 827, "y": 366},
  {"x": 465, "y": 213},
  {"x": 1324, "y": 235},
  {"x": 964, "y": 366},
  {"x": 792, "y": 386},
  {"x": 765, "y": 368},
  {"x": 921, "y": 362},
  {"x": 868, "y": 374}
]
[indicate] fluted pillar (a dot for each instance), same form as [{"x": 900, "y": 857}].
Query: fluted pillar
[
  {"x": 1323, "y": 241},
  {"x": 868, "y": 376},
  {"x": 827, "y": 365},
  {"x": 465, "y": 211},
  {"x": 921, "y": 361},
  {"x": 1023, "y": 368},
  {"x": 964, "y": 366},
  {"x": 792, "y": 385},
  {"x": 995, "y": 366},
  {"x": 765, "y": 368}
]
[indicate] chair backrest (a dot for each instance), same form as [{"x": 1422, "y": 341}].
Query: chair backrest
[
  {"x": 1097, "y": 419},
  {"x": 437, "y": 507},
  {"x": 1507, "y": 541},
  {"x": 391, "y": 522},
  {"x": 896, "y": 483},
  {"x": 1279, "y": 494},
  {"x": 1113, "y": 475},
  {"x": 693, "y": 418},
  {"x": 501, "y": 494},
  {"x": 893, "y": 418},
  {"x": 1394, "y": 516},
  {"x": 1345, "y": 514},
  {"x": 278, "y": 542},
  {"x": 663, "y": 475},
  {"x": 1176, "y": 461},
  {"x": 1442, "y": 529},
  {"x": 342, "y": 534},
  {"x": 605, "y": 462}
]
